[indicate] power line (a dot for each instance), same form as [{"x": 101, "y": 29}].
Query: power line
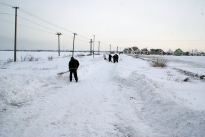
[
  {"x": 75, "y": 38},
  {"x": 37, "y": 24},
  {"x": 35, "y": 28},
  {"x": 23, "y": 10},
  {"x": 68, "y": 35},
  {"x": 5, "y": 4},
  {"x": 6, "y": 13},
  {"x": 31, "y": 14},
  {"x": 82, "y": 40},
  {"x": 43, "y": 20},
  {"x": 83, "y": 37},
  {"x": 26, "y": 26}
]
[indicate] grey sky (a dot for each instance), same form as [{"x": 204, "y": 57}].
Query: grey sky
[{"x": 166, "y": 24}]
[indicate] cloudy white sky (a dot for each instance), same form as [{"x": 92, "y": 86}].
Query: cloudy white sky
[{"x": 165, "y": 24}]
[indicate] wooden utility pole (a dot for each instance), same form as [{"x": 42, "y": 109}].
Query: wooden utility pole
[
  {"x": 90, "y": 46},
  {"x": 15, "y": 33},
  {"x": 73, "y": 43},
  {"x": 98, "y": 47},
  {"x": 58, "y": 43},
  {"x": 93, "y": 44}
]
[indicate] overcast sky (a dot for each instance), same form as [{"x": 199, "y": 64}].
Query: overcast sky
[{"x": 165, "y": 24}]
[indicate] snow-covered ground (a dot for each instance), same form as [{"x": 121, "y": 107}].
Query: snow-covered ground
[{"x": 128, "y": 98}]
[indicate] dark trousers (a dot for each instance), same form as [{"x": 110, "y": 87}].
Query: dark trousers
[{"x": 73, "y": 71}]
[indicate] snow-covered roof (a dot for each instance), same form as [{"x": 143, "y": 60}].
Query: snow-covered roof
[
  {"x": 144, "y": 49},
  {"x": 169, "y": 51},
  {"x": 128, "y": 48}
]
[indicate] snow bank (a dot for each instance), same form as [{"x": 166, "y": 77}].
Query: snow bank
[
  {"x": 159, "y": 110},
  {"x": 28, "y": 79}
]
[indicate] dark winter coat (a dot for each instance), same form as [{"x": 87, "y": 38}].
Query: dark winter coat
[
  {"x": 110, "y": 56},
  {"x": 114, "y": 58},
  {"x": 73, "y": 64}
]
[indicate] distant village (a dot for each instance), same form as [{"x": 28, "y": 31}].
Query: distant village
[{"x": 177, "y": 52}]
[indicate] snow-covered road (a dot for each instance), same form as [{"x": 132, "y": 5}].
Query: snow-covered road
[
  {"x": 95, "y": 106},
  {"x": 128, "y": 98}
]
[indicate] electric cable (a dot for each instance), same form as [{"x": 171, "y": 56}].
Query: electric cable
[
  {"x": 6, "y": 13},
  {"x": 37, "y": 24},
  {"x": 5, "y": 4},
  {"x": 25, "y": 26},
  {"x": 43, "y": 20}
]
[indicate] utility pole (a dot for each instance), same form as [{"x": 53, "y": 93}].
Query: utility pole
[
  {"x": 93, "y": 44},
  {"x": 98, "y": 47},
  {"x": 117, "y": 49},
  {"x": 15, "y": 39},
  {"x": 58, "y": 43},
  {"x": 110, "y": 48},
  {"x": 73, "y": 43},
  {"x": 90, "y": 46}
]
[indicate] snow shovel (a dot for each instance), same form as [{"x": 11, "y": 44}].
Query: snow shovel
[{"x": 61, "y": 73}]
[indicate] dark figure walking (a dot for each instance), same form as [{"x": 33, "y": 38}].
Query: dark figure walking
[
  {"x": 110, "y": 56},
  {"x": 73, "y": 66},
  {"x": 116, "y": 57}
]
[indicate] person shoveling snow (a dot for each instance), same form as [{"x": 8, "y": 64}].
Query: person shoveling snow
[{"x": 73, "y": 66}]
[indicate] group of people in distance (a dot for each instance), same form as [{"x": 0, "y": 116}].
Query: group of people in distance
[{"x": 115, "y": 58}]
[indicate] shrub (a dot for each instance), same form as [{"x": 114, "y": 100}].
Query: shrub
[
  {"x": 202, "y": 77},
  {"x": 186, "y": 79},
  {"x": 9, "y": 60},
  {"x": 36, "y": 59},
  {"x": 28, "y": 58},
  {"x": 80, "y": 55},
  {"x": 158, "y": 62},
  {"x": 50, "y": 58}
]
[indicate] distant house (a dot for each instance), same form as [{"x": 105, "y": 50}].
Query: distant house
[
  {"x": 198, "y": 53},
  {"x": 201, "y": 54},
  {"x": 169, "y": 52},
  {"x": 144, "y": 51},
  {"x": 157, "y": 51},
  {"x": 192, "y": 53},
  {"x": 178, "y": 52},
  {"x": 128, "y": 51},
  {"x": 137, "y": 51},
  {"x": 186, "y": 53},
  {"x": 135, "y": 48}
]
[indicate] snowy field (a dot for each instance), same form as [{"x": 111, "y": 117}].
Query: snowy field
[{"x": 129, "y": 98}]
